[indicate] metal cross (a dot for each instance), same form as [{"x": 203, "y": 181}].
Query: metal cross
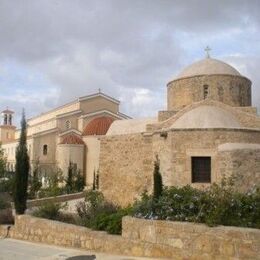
[
  {"x": 99, "y": 90},
  {"x": 207, "y": 50}
]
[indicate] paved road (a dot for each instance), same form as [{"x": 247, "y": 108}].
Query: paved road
[{"x": 11, "y": 249}]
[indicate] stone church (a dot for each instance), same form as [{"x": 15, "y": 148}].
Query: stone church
[
  {"x": 69, "y": 133},
  {"x": 208, "y": 131}
]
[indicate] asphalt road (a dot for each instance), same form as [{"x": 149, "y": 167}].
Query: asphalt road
[{"x": 11, "y": 249}]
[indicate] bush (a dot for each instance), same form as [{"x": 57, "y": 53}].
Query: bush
[
  {"x": 74, "y": 181},
  {"x": 218, "y": 205},
  {"x": 98, "y": 214},
  {"x": 49, "y": 210},
  {"x": 6, "y": 216},
  {"x": 4, "y": 204}
]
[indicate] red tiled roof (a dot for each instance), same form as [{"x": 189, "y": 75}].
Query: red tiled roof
[
  {"x": 71, "y": 139},
  {"x": 98, "y": 126}
]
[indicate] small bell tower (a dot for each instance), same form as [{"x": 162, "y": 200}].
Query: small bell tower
[{"x": 7, "y": 129}]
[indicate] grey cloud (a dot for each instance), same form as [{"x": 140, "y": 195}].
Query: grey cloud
[{"x": 120, "y": 46}]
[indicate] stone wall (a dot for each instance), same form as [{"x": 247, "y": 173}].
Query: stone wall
[
  {"x": 126, "y": 161},
  {"x": 196, "y": 241},
  {"x": 61, "y": 234},
  {"x": 231, "y": 90},
  {"x": 71, "y": 200},
  {"x": 146, "y": 238},
  {"x": 126, "y": 166},
  {"x": 176, "y": 150},
  {"x": 244, "y": 164}
]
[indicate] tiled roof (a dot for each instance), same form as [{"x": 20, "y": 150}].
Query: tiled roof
[
  {"x": 72, "y": 139},
  {"x": 98, "y": 126}
]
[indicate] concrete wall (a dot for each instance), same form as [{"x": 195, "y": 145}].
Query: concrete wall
[
  {"x": 126, "y": 166},
  {"x": 196, "y": 241},
  {"x": 98, "y": 103},
  {"x": 67, "y": 153},
  {"x": 92, "y": 158},
  {"x": 231, "y": 90}
]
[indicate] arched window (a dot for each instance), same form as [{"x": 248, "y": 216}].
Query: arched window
[
  {"x": 205, "y": 91},
  {"x": 68, "y": 124},
  {"x": 45, "y": 149}
]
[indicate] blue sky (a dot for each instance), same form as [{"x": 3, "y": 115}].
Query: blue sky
[{"x": 53, "y": 51}]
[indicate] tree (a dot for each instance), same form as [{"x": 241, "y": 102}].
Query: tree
[
  {"x": 69, "y": 180},
  {"x": 2, "y": 163},
  {"x": 157, "y": 180},
  {"x": 22, "y": 168},
  {"x": 35, "y": 182}
]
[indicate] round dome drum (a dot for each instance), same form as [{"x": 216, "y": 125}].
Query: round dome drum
[{"x": 209, "y": 78}]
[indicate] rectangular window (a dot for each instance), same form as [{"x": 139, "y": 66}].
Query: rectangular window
[{"x": 201, "y": 169}]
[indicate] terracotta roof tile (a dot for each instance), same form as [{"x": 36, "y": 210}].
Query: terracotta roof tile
[
  {"x": 98, "y": 126},
  {"x": 72, "y": 139}
]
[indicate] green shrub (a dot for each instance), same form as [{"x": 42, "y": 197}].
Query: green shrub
[
  {"x": 219, "y": 205},
  {"x": 74, "y": 181},
  {"x": 98, "y": 214},
  {"x": 49, "y": 210},
  {"x": 6, "y": 216},
  {"x": 4, "y": 204},
  {"x": 110, "y": 222}
]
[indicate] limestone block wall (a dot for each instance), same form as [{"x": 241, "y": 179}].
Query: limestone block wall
[
  {"x": 61, "y": 234},
  {"x": 231, "y": 90},
  {"x": 146, "y": 238},
  {"x": 126, "y": 166},
  {"x": 196, "y": 241},
  {"x": 126, "y": 161},
  {"x": 244, "y": 164},
  {"x": 175, "y": 152}
]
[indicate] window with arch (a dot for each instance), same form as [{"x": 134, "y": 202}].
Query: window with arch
[
  {"x": 205, "y": 91},
  {"x": 45, "y": 149},
  {"x": 68, "y": 124}
]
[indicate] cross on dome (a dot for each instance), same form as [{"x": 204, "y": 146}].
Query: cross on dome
[{"x": 207, "y": 50}]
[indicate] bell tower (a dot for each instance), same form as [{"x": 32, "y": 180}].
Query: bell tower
[{"x": 7, "y": 129}]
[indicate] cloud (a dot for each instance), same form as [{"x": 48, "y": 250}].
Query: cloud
[{"x": 129, "y": 49}]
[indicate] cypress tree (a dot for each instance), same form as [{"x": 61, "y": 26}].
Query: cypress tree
[
  {"x": 94, "y": 180},
  {"x": 22, "y": 168},
  {"x": 157, "y": 180},
  {"x": 69, "y": 181}
]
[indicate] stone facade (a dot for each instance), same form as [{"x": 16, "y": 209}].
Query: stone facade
[
  {"x": 46, "y": 134},
  {"x": 229, "y": 89},
  {"x": 126, "y": 163},
  {"x": 197, "y": 124}
]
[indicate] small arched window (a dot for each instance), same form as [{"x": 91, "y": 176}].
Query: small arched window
[
  {"x": 45, "y": 149},
  {"x": 205, "y": 91},
  {"x": 68, "y": 124}
]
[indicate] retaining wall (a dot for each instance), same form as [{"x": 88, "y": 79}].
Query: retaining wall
[{"x": 159, "y": 239}]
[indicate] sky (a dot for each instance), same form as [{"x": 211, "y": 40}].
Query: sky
[{"x": 54, "y": 51}]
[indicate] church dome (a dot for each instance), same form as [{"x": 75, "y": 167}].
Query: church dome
[
  {"x": 208, "y": 66},
  {"x": 98, "y": 126},
  {"x": 206, "y": 117}
]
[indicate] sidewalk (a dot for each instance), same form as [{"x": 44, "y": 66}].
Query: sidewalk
[{"x": 11, "y": 249}]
